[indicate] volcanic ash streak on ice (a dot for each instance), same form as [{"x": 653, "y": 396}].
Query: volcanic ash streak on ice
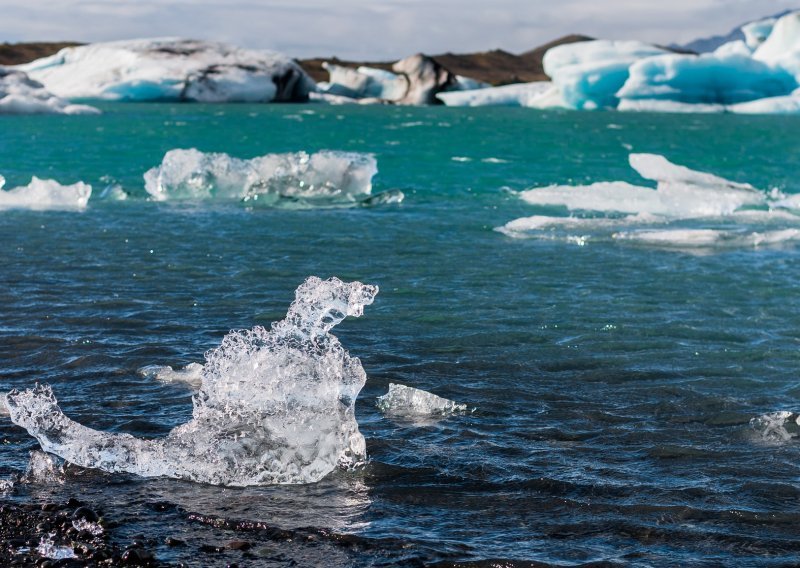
[
  {"x": 326, "y": 178},
  {"x": 681, "y": 194},
  {"x": 45, "y": 194},
  {"x": 275, "y": 406},
  {"x": 402, "y": 400}
]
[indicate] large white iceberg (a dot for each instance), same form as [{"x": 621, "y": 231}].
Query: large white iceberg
[
  {"x": 45, "y": 194},
  {"x": 19, "y": 94},
  {"x": 170, "y": 69},
  {"x": 589, "y": 73},
  {"x": 275, "y": 406},
  {"x": 324, "y": 178}
]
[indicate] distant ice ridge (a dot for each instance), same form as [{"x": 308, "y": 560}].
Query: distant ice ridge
[
  {"x": 407, "y": 401},
  {"x": 170, "y": 69},
  {"x": 45, "y": 194},
  {"x": 275, "y": 406},
  {"x": 610, "y": 209},
  {"x": 19, "y": 94},
  {"x": 324, "y": 178}
]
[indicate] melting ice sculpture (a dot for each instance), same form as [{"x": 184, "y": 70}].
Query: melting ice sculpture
[
  {"x": 275, "y": 406},
  {"x": 322, "y": 178}
]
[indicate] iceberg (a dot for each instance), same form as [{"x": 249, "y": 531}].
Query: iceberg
[
  {"x": 170, "y": 69},
  {"x": 19, "y": 94},
  {"x": 45, "y": 194},
  {"x": 324, "y": 178},
  {"x": 519, "y": 94},
  {"x": 275, "y": 406},
  {"x": 588, "y": 74},
  {"x": 402, "y": 400}
]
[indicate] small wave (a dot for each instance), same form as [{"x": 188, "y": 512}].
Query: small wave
[
  {"x": 299, "y": 179},
  {"x": 275, "y": 406},
  {"x": 45, "y": 194},
  {"x": 403, "y": 400}
]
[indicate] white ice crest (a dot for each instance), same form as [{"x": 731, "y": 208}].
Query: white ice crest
[{"x": 275, "y": 406}]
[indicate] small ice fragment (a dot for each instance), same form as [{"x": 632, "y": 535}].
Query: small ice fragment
[
  {"x": 88, "y": 526},
  {"x": 777, "y": 427},
  {"x": 408, "y": 401},
  {"x": 6, "y": 485},
  {"x": 48, "y": 549},
  {"x": 191, "y": 374},
  {"x": 46, "y": 194},
  {"x": 43, "y": 468}
]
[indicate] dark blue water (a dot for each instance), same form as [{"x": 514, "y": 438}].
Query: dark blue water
[{"x": 614, "y": 385}]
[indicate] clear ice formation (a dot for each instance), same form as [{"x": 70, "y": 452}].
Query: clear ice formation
[
  {"x": 777, "y": 427},
  {"x": 45, "y": 194},
  {"x": 402, "y": 400},
  {"x": 19, "y": 94},
  {"x": 612, "y": 209},
  {"x": 170, "y": 69},
  {"x": 326, "y": 178},
  {"x": 191, "y": 374},
  {"x": 275, "y": 406}
]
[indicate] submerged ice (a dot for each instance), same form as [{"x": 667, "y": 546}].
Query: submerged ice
[
  {"x": 275, "y": 406},
  {"x": 646, "y": 215},
  {"x": 322, "y": 178}
]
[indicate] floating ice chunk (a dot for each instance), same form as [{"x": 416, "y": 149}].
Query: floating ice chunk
[
  {"x": 661, "y": 170},
  {"x": 191, "y": 374},
  {"x": 82, "y": 524},
  {"x": 19, "y": 94},
  {"x": 407, "y": 401},
  {"x": 777, "y": 427},
  {"x": 590, "y": 73},
  {"x": 275, "y": 406},
  {"x": 171, "y": 69},
  {"x": 43, "y": 468},
  {"x": 48, "y": 549},
  {"x": 789, "y": 104},
  {"x": 323, "y": 179},
  {"x": 707, "y": 79},
  {"x": 43, "y": 194},
  {"x": 535, "y": 225},
  {"x": 521, "y": 94}
]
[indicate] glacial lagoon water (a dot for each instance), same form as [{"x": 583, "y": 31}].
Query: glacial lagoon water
[{"x": 625, "y": 389}]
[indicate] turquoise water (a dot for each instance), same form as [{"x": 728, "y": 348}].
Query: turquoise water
[{"x": 614, "y": 384}]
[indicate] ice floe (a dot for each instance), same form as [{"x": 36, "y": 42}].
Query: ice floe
[
  {"x": 402, "y": 400},
  {"x": 191, "y": 374},
  {"x": 777, "y": 427},
  {"x": 298, "y": 179},
  {"x": 19, "y": 94},
  {"x": 170, "y": 69},
  {"x": 687, "y": 209},
  {"x": 45, "y": 194},
  {"x": 275, "y": 406}
]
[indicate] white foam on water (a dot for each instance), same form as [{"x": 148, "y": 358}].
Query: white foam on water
[
  {"x": 776, "y": 427},
  {"x": 326, "y": 178},
  {"x": 407, "y": 401},
  {"x": 191, "y": 374},
  {"x": 275, "y": 406},
  {"x": 46, "y": 194}
]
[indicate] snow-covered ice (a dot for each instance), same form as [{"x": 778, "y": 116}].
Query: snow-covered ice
[
  {"x": 170, "y": 69},
  {"x": 45, "y": 194},
  {"x": 275, "y": 406}
]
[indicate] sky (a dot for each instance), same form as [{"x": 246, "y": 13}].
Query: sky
[{"x": 378, "y": 29}]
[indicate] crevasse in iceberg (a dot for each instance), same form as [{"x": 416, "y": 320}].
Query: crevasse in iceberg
[
  {"x": 322, "y": 178},
  {"x": 275, "y": 406}
]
